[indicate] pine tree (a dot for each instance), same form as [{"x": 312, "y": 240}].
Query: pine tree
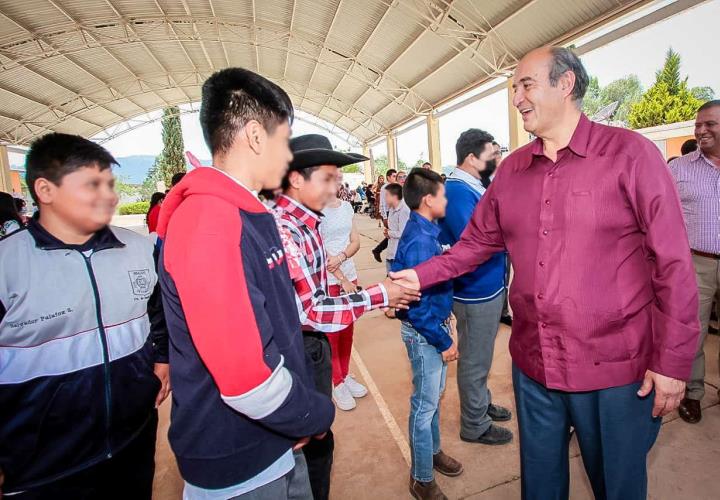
[
  {"x": 172, "y": 158},
  {"x": 668, "y": 100}
]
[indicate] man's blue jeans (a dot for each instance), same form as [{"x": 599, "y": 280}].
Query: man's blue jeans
[{"x": 429, "y": 372}]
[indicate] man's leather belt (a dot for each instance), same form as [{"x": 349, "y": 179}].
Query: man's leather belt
[{"x": 706, "y": 255}]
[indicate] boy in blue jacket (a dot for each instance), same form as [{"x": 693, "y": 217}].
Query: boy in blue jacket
[{"x": 425, "y": 333}]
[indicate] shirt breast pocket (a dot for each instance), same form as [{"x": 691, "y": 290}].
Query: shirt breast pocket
[{"x": 581, "y": 208}]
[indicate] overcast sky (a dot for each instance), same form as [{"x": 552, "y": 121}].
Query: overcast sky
[{"x": 693, "y": 33}]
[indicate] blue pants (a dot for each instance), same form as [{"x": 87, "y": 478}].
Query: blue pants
[
  {"x": 615, "y": 430},
  {"x": 429, "y": 372}
]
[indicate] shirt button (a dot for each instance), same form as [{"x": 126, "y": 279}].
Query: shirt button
[
  {"x": 540, "y": 296},
  {"x": 544, "y": 325},
  {"x": 542, "y": 264},
  {"x": 547, "y": 202},
  {"x": 545, "y": 232}
]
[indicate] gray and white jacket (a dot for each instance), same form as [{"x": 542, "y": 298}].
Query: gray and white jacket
[{"x": 80, "y": 330}]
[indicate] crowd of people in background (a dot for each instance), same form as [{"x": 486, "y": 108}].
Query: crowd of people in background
[{"x": 243, "y": 307}]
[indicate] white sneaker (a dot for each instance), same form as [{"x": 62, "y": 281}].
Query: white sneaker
[
  {"x": 342, "y": 397},
  {"x": 356, "y": 388}
]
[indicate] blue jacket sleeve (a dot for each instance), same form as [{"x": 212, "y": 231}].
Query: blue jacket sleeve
[{"x": 421, "y": 315}]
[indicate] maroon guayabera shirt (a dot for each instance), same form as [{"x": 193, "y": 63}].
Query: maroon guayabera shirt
[{"x": 604, "y": 285}]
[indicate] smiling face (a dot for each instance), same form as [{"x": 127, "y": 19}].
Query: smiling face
[
  {"x": 539, "y": 102},
  {"x": 707, "y": 130}
]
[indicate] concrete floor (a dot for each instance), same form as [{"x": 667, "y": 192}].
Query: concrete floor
[{"x": 371, "y": 441}]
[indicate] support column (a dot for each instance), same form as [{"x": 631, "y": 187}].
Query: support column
[
  {"x": 518, "y": 136},
  {"x": 433, "y": 131},
  {"x": 5, "y": 178},
  {"x": 392, "y": 151},
  {"x": 368, "y": 166}
]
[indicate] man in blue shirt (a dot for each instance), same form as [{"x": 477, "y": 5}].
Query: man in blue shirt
[
  {"x": 479, "y": 295},
  {"x": 425, "y": 333}
]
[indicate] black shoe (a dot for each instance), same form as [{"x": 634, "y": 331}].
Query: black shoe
[
  {"x": 376, "y": 254},
  {"x": 498, "y": 413},
  {"x": 506, "y": 320},
  {"x": 495, "y": 435}
]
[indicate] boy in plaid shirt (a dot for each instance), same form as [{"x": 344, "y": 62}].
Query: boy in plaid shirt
[{"x": 308, "y": 186}]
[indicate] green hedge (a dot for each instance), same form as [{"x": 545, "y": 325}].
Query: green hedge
[{"x": 139, "y": 207}]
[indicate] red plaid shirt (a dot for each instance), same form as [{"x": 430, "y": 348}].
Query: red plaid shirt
[{"x": 305, "y": 253}]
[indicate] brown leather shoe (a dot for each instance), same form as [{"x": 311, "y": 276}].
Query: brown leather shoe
[
  {"x": 426, "y": 491},
  {"x": 446, "y": 465},
  {"x": 690, "y": 411}
]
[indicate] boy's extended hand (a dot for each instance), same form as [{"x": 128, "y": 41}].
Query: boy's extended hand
[
  {"x": 399, "y": 296},
  {"x": 451, "y": 354},
  {"x": 407, "y": 278}
]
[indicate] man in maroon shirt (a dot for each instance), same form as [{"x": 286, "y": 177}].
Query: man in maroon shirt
[{"x": 604, "y": 298}]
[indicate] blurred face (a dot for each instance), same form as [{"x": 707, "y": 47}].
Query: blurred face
[
  {"x": 539, "y": 103},
  {"x": 338, "y": 182},
  {"x": 437, "y": 204},
  {"x": 483, "y": 163},
  {"x": 400, "y": 178},
  {"x": 497, "y": 154},
  {"x": 707, "y": 130},
  {"x": 275, "y": 156},
  {"x": 392, "y": 200},
  {"x": 84, "y": 200},
  {"x": 392, "y": 178},
  {"x": 318, "y": 190}
]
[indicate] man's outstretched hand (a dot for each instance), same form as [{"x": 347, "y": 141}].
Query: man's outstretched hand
[
  {"x": 407, "y": 278},
  {"x": 668, "y": 392},
  {"x": 400, "y": 297}
]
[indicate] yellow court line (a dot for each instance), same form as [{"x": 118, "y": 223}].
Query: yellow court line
[{"x": 390, "y": 421}]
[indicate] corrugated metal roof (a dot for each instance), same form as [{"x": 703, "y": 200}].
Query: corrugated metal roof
[{"x": 364, "y": 66}]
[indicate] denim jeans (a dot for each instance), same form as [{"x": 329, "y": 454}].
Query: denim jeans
[{"x": 429, "y": 372}]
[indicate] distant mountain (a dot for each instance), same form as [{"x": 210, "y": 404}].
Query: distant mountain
[{"x": 134, "y": 169}]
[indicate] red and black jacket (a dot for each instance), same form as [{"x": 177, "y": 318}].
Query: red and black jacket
[{"x": 242, "y": 391}]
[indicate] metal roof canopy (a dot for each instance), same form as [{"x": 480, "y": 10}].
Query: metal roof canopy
[{"x": 366, "y": 67}]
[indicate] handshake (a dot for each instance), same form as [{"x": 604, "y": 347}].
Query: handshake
[{"x": 403, "y": 288}]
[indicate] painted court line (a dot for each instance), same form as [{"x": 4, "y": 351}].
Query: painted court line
[{"x": 392, "y": 425}]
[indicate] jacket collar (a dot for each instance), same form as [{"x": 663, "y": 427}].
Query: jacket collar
[
  {"x": 101, "y": 240},
  {"x": 425, "y": 225},
  {"x": 298, "y": 211},
  {"x": 578, "y": 142}
]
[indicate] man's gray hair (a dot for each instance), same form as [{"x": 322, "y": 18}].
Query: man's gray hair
[{"x": 564, "y": 60}]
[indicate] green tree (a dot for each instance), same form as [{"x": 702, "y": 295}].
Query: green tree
[
  {"x": 670, "y": 72},
  {"x": 172, "y": 158},
  {"x": 592, "y": 101},
  {"x": 668, "y": 100},
  {"x": 125, "y": 189},
  {"x": 703, "y": 93},
  {"x": 625, "y": 91},
  {"x": 149, "y": 185}
]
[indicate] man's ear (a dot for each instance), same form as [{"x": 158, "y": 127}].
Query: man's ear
[
  {"x": 256, "y": 136},
  {"x": 567, "y": 83},
  {"x": 296, "y": 179},
  {"x": 45, "y": 191}
]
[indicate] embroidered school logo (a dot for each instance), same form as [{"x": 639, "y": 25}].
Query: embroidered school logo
[{"x": 140, "y": 281}]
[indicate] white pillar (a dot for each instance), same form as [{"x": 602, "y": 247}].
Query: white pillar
[{"x": 433, "y": 131}]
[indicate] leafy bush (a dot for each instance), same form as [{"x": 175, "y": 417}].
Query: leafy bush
[{"x": 139, "y": 207}]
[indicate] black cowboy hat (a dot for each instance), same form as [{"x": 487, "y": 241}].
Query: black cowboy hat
[{"x": 311, "y": 150}]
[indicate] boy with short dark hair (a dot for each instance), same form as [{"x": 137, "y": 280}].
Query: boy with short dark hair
[
  {"x": 244, "y": 401},
  {"x": 426, "y": 334},
  {"x": 83, "y": 344}
]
